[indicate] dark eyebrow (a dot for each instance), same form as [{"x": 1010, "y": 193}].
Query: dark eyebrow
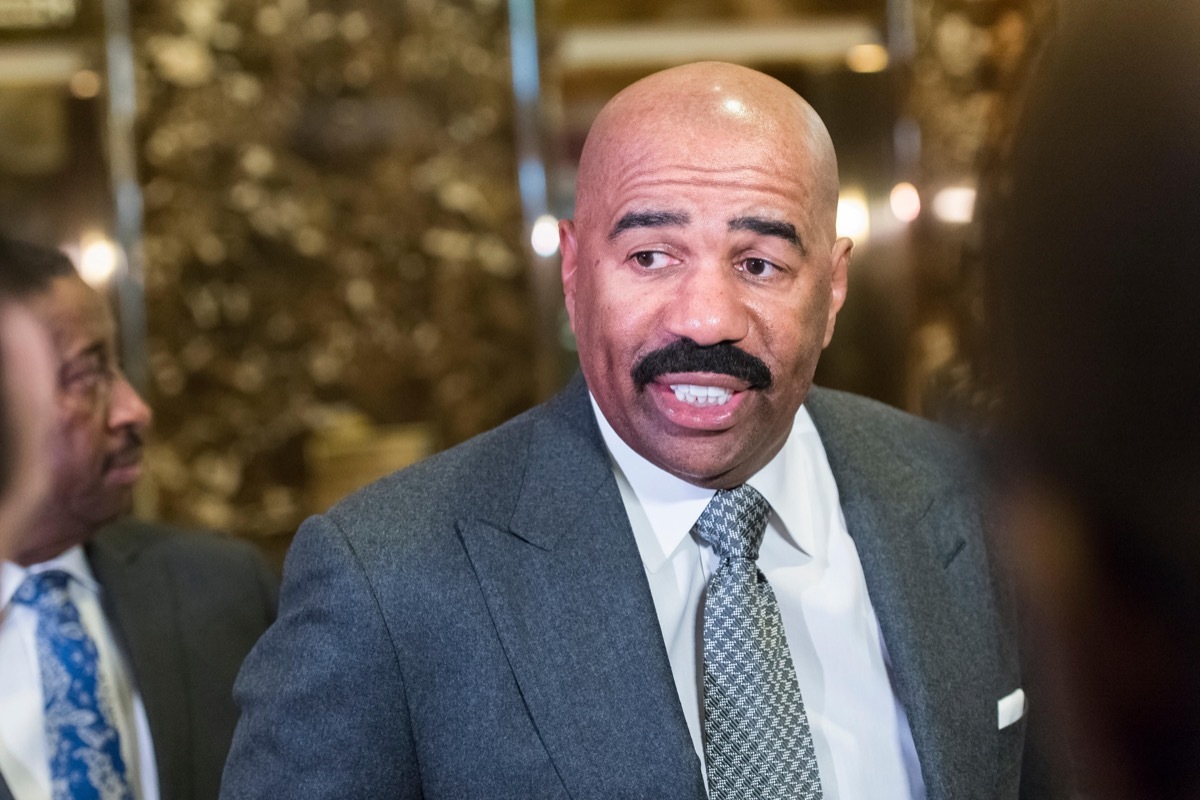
[
  {"x": 649, "y": 219},
  {"x": 769, "y": 227}
]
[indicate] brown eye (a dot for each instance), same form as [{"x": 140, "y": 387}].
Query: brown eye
[
  {"x": 757, "y": 266},
  {"x": 651, "y": 259},
  {"x": 86, "y": 372}
]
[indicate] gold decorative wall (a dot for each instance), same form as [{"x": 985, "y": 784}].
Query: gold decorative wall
[
  {"x": 332, "y": 234},
  {"x": 971, "y": 58}
]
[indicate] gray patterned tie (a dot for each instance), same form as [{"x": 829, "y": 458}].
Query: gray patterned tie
[{"x": 756, "y": 737}]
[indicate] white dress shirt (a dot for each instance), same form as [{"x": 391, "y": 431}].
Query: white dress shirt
[
  {"x": 863, "y": 744},
  {"x": 24, "y": 762}
]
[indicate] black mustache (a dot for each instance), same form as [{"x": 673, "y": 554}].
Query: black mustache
[
  {"x": 684, "y": 355},
  {"x": 132, "y": 445}
]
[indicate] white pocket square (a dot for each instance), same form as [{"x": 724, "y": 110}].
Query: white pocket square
[{"x": 1011, "y": 708}]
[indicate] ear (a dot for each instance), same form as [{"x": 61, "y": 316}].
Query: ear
[
  {"x": 840, "y": 259},
  {"x": 569, "y": 248}
]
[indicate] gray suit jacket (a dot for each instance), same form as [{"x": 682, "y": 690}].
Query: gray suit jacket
[
  {"x": 185, "y": 609},
  {"x": 480, "y": 625}
]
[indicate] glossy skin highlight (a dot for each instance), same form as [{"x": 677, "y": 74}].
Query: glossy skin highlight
[
  {"x": 706, "y": 202},
  {"x": 95, "y": 444}
]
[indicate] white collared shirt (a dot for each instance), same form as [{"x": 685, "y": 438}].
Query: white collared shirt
[
  {"x": 861, "y": 736},
  {"x": 23, "y": 759}
]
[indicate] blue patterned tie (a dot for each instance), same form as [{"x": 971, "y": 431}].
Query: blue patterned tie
[
  {"x": 757, "y": 743},
  {"x": 83, "y": 746}
]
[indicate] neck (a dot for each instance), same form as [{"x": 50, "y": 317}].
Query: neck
[{"x": 48, "y": 539}]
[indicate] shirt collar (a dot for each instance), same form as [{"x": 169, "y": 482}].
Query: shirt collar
[
  {"x": 672, "y": 505},
  {"x": 73, "y": 561}
]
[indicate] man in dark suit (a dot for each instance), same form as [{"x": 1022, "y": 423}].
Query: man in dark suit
[
  {"x": 118, "y": 648},
  {"x": 687, "y": 572}
]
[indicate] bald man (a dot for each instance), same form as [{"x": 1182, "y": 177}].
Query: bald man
[{"x": 531, "y": 614}]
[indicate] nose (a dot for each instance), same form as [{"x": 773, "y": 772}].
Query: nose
[
  {"x": 709, "y": 305},
  {"x": 128, "y": 410}
]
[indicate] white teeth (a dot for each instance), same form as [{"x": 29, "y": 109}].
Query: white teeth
[{"x": 701, "y": 395}]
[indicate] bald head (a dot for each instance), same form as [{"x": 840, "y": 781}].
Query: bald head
[
  {"x": 708, "y": 112},
  {"x": 702, "y": 272}
]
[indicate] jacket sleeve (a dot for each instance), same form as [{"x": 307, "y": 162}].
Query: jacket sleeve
[{"x": 323, "y": 710}]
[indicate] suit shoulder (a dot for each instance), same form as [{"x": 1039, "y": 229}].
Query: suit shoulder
[
  {"x": 864, "y": 413},
  {"x": 210, "y": 573},
  {"x": 173, "y": 543},
  {"x": 851, "y": 423},
  {"x": 477, "y": 477}
]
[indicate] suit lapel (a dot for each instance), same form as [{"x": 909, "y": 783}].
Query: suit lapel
[
  {"x": 924, "y": 579},
  {"x": 140, "y": 601},
  {"x": 5, "y": 792},
  {"x": 566, "y": 589}
]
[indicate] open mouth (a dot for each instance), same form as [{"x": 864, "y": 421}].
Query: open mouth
[
  {"x": 701, "y": 396},
  {"x": 701, "y": 401}
]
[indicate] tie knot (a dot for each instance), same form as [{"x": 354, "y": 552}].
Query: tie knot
[
  {"x": 48, "y": 588},
  {"x": 733, "y": 522}
]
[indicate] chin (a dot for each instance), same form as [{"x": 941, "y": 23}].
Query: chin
[
  {"x": 710, "y": 473},
  {"x": 113, "y": 510}
]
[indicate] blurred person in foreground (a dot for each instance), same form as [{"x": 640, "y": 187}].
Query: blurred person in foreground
[
  {"x": 26, "y": 411},
  {"x": 118, "y": 647},
  {"x": 1093, "y": 261},
  {"x": 686, "y": 573}
]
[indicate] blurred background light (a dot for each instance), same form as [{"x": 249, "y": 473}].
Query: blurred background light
[
  {"x": 544, "y": 235},
  {"x": 905, "y": 201},
  {"x": 853, "y": 215},
  {"x": 84, "y": 84},
  {"x": 97, "y": 259},
  {"x": 866, "y": 58},
  {"x": 955, "y": 204}
]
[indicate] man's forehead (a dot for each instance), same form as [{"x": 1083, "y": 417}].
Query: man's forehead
[
  {"x": 706, "y": 123},
  {"x": 765, "y": 174},
  {"x": 75, "y": 315}
]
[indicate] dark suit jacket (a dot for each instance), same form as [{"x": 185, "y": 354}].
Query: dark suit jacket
[
  {"x": 480, "y": 625},
  {"x": 185, "y": 609}
]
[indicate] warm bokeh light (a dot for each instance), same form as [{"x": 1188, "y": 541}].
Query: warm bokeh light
[
  {"x": 853, "y": 216},
  {"x": 84, "y": 84},
  {"x": 97, "y": 259},
  {"x": 544, "y": 236},
  {"x": 955, "y": 204},
  {"x": 867, "y": 58},
  {"x": 905, "y": 201}
]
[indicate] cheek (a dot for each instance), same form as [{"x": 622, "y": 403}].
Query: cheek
[
  {"x": 791, "y": 345},
  {"x": 75, "y": 441},
  {"x": 611, "y": 316},
  {"x": 85, "y": 412},
  {"x": 63, "y": 456},
  {"x": 812, "y": 313},
  {"x": 791, "y": 330}
]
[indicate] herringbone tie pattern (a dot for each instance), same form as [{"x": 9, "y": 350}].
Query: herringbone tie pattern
[
  {"x": 757, "y": 742},
  {"x": 83, "y": 746}
]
